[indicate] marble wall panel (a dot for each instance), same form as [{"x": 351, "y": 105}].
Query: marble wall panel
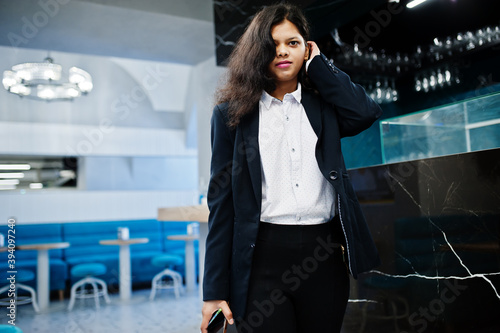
[{"x": 436, "y": 223}]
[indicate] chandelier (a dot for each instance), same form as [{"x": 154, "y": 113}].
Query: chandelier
[{"x": 42, "y": 80}]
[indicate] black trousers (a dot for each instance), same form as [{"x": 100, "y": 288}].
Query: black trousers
[{"x": 299, "y": 281}]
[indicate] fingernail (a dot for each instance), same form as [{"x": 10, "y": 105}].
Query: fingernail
[{"x": 231, "y": 321}]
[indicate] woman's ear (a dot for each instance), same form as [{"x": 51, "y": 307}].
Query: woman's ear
[{"x": 308, "y": 51}]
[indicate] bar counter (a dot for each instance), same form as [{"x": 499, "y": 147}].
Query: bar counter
[{"x": 436, "y": 223}]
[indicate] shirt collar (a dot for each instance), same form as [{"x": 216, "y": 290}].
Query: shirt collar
[{"x": 267, "y": 99}]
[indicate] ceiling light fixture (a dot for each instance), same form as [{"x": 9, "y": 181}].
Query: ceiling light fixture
[
  {"x": 15, "y": 167},
  {"x": 9, "y": 182},
  {"x": 36, "y": 186},
  {"x": 5, "y": 175},
  {"x": 415, "y": 3},
  {"x": 42, "y": 80},
  {"x": 7, "y": 187}
]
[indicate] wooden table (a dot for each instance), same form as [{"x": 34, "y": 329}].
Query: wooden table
[
  {"x": 43, "y": 270},
  {"x": 125, "y": 272},
  {"x": 189, "y": 262}
]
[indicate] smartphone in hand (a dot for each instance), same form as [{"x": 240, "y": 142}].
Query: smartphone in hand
[{"x": 216, "y": 322}]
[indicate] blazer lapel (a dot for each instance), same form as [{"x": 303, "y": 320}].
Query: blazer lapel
[
  {"x": 250, "y": 132},
  {"x": 313, "y": 111}
]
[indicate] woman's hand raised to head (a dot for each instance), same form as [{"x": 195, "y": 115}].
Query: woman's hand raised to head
[
  {"x": 313, "y": 49},
  {"x": 208, "y": 309}
]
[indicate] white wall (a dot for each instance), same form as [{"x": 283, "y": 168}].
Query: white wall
[
  {"x": 144, "y": 173},
  {"x": 32, "y": 138},
  {"x": 135, "y": 135},
  {"x": 205, "y": 78},
  {"x": 61, "y": 206}
]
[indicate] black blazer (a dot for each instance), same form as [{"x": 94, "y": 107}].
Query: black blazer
[{"x": 341, "y": 109}]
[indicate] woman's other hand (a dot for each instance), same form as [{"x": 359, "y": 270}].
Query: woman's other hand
[
  {"x": 313, "y": 49},
  {"x": 208, "y": 309}
]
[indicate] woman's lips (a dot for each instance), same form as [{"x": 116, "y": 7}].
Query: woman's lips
[{"x": 283, "y": 64}]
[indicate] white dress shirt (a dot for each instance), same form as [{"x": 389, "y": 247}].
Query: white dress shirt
[{"x": 293, "y": 189}]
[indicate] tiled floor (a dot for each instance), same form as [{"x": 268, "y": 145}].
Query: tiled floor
[{"x": 165, "y": 314}]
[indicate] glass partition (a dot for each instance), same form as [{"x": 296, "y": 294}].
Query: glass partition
[{"x": 465, "y": 126}]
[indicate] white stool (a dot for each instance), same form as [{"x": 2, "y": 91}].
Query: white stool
[
  {"x": 21, "y": 276},
  {"x": 168, "y": 278},
  {"x": 79, "y": 290}
]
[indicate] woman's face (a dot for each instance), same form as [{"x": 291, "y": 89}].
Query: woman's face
[{"x": 291, "y": 52}]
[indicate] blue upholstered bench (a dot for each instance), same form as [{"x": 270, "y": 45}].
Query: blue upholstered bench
[
  {"x": 27, "y": 259},
  {"x": 85, "y": 248}
]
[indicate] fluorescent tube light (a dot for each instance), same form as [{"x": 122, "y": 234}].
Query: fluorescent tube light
[
  {"x": 415, "y": 3},
  {"x": 9, "y": 181},
  {"x": 11, "y": 175},
  {"x": 36, "y": 186},
  {"x": 15, "y": 167}
]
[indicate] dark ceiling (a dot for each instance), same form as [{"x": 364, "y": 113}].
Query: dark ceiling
[
  {"x": 231, "y": 18},
  {"x": 420, "y": 25},
  {"x": 399, "y": 29}
]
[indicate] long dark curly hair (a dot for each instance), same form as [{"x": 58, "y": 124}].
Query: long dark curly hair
[{"x": 248, "y": 63}]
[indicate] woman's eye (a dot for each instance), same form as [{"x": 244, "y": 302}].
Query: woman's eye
[{"x": 294, "y": 43}]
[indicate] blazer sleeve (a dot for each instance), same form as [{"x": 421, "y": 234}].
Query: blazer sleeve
[
  {"x": 221, "y": 218},
  {"x": 356, "y": 110}
]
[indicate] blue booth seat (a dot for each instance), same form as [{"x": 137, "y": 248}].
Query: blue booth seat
[
  {"x": 85, "y": 248},
  {"x": 27, "y": 259}
]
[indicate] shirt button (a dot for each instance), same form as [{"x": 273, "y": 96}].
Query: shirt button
[
  {"x": 296, "y": 185},
  {"x": 333, "y": 175},
  {"x": 252, "y": 245},
  {"x": 287, "y": 118},
  {"x": 293, "y": 150},
  {"x": 298, "y": 218}
]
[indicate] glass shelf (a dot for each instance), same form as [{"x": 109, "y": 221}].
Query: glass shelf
[{"x": 465, "y": 126}]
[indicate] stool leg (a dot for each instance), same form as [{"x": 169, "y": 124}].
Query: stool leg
[
  {"x": 33, "y": 295},
  {"x": 176, "y": 286},
  {"x": 153, "y": 285},
  {"x": 95, "y": 291},
  {"x": 73, "y": 293},
  {"x": 72, "y": 296},
  {"x": 104, "y": 290},
  {"x": 178, "y": 276},
  {"x": 177, "y": 282}
]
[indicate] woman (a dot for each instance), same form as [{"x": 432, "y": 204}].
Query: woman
[{"x": 285, "y": 225}]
